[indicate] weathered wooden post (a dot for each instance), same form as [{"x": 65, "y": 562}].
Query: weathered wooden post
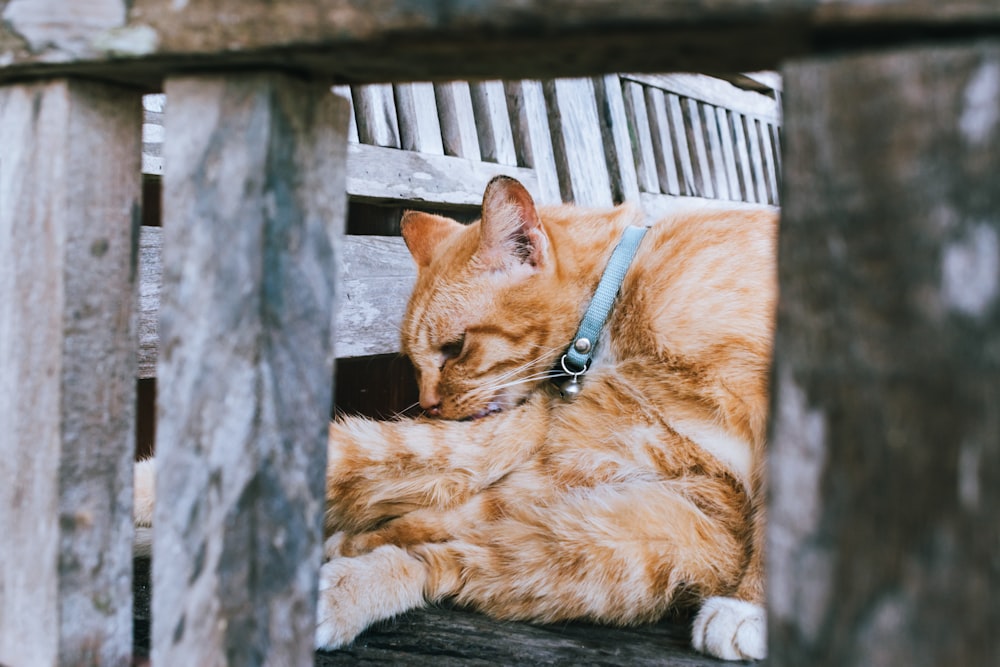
[
  {"x": 885, "y": 470},
  {"x": 69, "y": 224},
  {"x": 254, "y": 201}
]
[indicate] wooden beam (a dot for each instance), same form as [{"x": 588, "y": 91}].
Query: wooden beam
[
  {"x": 406, "y": 40},
  {"x": 253, "y": 206},
  {"x": 376, "y": 276},
  {"x": 885, "y": 459},
  {"x": 69, "y": 220}
]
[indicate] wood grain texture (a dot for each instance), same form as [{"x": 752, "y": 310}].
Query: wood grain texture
[
  {"x": 885, "y": 460},
  {"x": 712, "y": 90},
  {"x": 458, "y": 122},
  {"x": 752, "y": 128},
  {"x": 69, "y": 217},
  {"x": 379, "y": 174},
  {"x": 376, "y": 276},
  {"x": 441, "y": 636},
  {"x": 532, "y": 136},
  {"x": 699, "y": 152},
  {"x": 254, "y": 203},
  {"x": 727, "y": 144},
  {"x": 577, "y": 142},
  {"x": 743, "y": 161},
  {"x": 489, "y": 105},
  {"x": 617, "y": 138},
  {"x": 399, "y": 40},
  {"x": 716, "y": 157},
  {"x": 419, "y": 127},
  {"x": 682, "y": 145},
  {"x": 642, "y": 138},
  {"x": 375, "y": 114}
]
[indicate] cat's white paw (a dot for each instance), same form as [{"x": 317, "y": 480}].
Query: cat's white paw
[
  {"x": 730, "y": 629},
  {"x": 356, "y": 592},
  {"x": 339, "y": 616}
]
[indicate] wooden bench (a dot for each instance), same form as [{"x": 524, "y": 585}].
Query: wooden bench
[
  {"x": 665, "y": 140},
  {"x": 886, "y": 447}
]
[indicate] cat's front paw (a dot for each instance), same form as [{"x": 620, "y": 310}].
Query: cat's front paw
[
  {"x": 338, "y": 615},
  {"x": 730, "y": 629}
]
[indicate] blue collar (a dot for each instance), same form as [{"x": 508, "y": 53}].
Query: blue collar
[{"x": 576, "y": 361}]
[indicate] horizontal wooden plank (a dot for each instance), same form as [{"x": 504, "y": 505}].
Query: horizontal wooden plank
[
  {"x": 714, "y": 91},
  {"x": 382, "y": 174},
  {"x": 377, "y": 275},
  {"x": 399, "y": 40}
]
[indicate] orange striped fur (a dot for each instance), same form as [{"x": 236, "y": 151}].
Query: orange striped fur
[{"x": 642, "y": 494}]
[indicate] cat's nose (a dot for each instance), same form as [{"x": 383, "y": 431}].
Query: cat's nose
[{"x": 433, "y": 410}]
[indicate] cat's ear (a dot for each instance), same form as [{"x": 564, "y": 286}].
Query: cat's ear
[
  {"x": 423, "y": 233},
  {"x": 510, "y": 232}
]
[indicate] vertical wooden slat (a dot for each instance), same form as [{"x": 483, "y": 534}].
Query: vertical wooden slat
[
  {"x": 682, "y": 147},
  {"x": 253, "y": 205},
  {"x": 666, "y": 154},
  {"x": 69, "y": 222},
  {"x": 645, "y": 158},
  {"x": 756, "y": 158},
  {"x": 885, "y": 457},
  {"x": 583, "y": 175},
  {"x": 617, "y": 141},
  {"x": 496, "y": 141},
  {"x": 770, "y": 165},
  {"x": 458, "y": 123},
  {"x": 419, "y": 127},
  {"x": 375, "y": 113},
  {"x": 696, "y": 139},
  {"x": 532, "y": 137},
  {"x": 743, "y": 158},
  {"x": 352, "y": 123},
  {"x": 716, "y": 158},
  {"x": 728, "y": 144},
  {"x": 776, "y": 143}
]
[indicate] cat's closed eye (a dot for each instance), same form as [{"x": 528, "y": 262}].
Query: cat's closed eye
[{"x": 453, "y": 349}]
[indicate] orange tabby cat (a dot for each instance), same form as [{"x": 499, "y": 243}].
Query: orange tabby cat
[{"x": 643, "y": 493}]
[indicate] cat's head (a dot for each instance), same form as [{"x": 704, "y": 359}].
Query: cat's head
[{"x": 480, "y": 328}]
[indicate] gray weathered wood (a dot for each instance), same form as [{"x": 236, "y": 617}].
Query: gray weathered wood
[
  {"x": 352, "y": 124},
  {"x": 69, "y": 216},
  {"x": 386, "y": 175},
  {"x": 716, "y": 157},
  {"x": 532, "y": 137},
  {"x": 749, "y": 187},
  {"x": 885, "y": 461},
  {"x": 417, "y": 39},
  {"x": 667, "y": 158},
  {"x": 253, "y": 205},
  {"x": 770, "y": 163},
  {"x": 458, "y": 123},
  {"x": 712, "y": 90},
  {"x": 639, "y": 122},
  {"x": 696, "y": 139},
  {"x": 756, "y": 157},
  {"x": 728, "y": 145},
  {"x": 682, "y": 147},
  {"x": 419, "y": 127},
  {"x": 576, "y": 139},
  {"x": 152, "y": 134},
  {"x": 375, "y": 114},
  {"x": 489, "y": 103},
  {"x": 376, "y": 275},
  {"x": 617, "y": 139}
]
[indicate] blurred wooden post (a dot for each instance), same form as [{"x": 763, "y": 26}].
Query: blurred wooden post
[
  {"x": 885, "y": 464},
  {"x": 69, "y": 223},
  {"x": 254, "y": 202}
]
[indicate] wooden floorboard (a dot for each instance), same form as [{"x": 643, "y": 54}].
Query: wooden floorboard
[{"x": 444, "y": 637}]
